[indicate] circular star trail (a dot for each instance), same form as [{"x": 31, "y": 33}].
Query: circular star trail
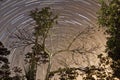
[{"x": 74, "y": 16}]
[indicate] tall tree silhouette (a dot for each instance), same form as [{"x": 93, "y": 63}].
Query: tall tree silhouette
[{"x": 44, "y": 20}]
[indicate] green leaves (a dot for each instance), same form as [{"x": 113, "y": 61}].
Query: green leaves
[
  {"x": 44, "y": 20},
  {"x": 109, "y": 17}
]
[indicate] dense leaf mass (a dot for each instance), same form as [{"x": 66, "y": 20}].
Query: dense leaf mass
[
  {"x": 4, "y": 63},
  {"x": 109, "y": 17}
]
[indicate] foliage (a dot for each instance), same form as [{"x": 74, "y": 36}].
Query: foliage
[
  {"x": 5, "y": 71},
  {"x": 44, "y": 21},
  {"x": 100, "y": 72},
  {"x": 38, "y": 55},
  {"x": 17, "y": 74},
  {"x": 66, "y": 73},
  {"x": 109, "y": 17},
  {"x": 4, "y": 63}
]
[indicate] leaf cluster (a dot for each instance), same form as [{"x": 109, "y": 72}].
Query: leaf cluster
[
  {"x": 44, "y": 20},
  {"x": 109, "y": 17},
  {"x": 4, "y": 63},
  {"x": 101, "y": 72}
]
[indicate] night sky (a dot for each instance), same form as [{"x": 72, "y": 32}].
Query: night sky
[{"x": 74, "y": 16}]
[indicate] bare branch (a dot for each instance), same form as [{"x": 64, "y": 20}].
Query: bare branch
[{"x": 21, "y": 38}]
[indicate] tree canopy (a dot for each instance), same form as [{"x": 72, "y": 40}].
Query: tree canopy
[{"x": 109, "y": 17}]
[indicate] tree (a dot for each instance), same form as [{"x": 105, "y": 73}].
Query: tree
[
  {"x": 44, "y": 21},
  {"x": 109, "y": 18},
  {"x": 4, "y": 63},
  {"x": 40, "y": 54}
]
